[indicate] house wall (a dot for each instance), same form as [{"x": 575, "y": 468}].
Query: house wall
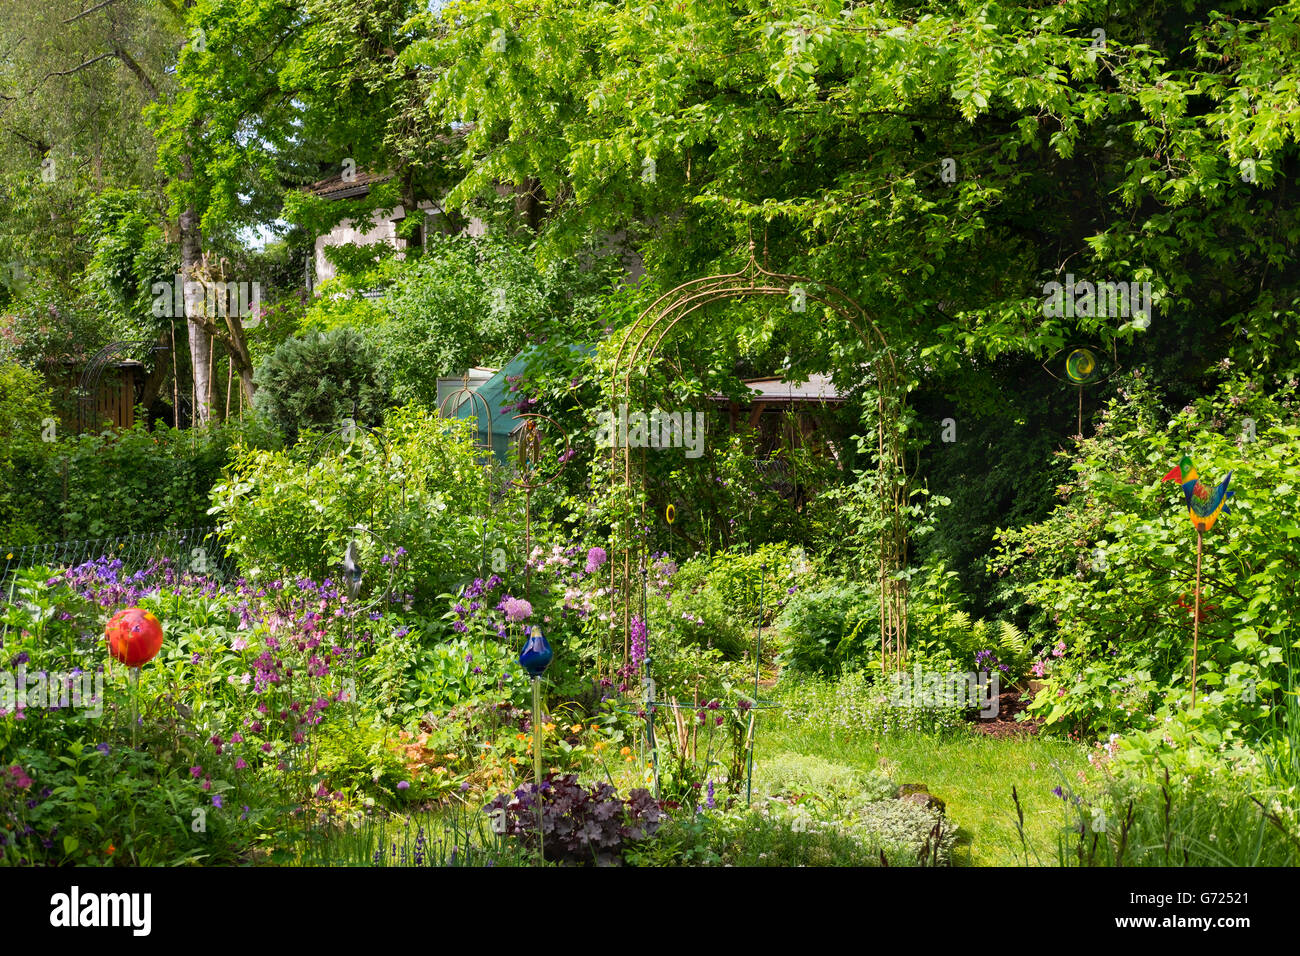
[{"x": 382, "y": 229}]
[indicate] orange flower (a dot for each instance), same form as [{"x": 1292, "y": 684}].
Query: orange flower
[
  {"x": 111, "y": 849},
  {"x": 625, "y": 751}
]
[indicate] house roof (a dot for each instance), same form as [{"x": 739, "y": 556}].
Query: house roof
[
  {"x": 359, "y": 183},
  {"x": 818, "y": 388}
]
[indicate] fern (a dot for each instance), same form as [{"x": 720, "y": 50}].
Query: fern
[{"x": 1003, "y": 638}]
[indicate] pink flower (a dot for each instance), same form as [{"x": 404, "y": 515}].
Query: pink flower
[
  {"x": 18, "y": 777},
  {"x": 517, "y": 609}
]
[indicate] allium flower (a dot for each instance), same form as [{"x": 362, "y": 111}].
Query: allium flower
[
  {"x": 595, "y": 558},
  {"x": 517, "y": 609},
  {"x": 404, "y": 785}
]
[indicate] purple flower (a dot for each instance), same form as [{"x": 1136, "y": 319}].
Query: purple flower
[
  {"x": 404, "y": 785},
  {"x": 1056, "y": 791},
  {"x": 595, "y": 558},
  {"x": 517, "y": 609},
  {"x": 196, "y": 772},
  {"x": 216, "y": 800}
]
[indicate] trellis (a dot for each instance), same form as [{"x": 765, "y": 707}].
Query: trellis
[{"x": 638, "y": 348}]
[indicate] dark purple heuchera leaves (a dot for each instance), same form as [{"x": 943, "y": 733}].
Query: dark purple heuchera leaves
[{"x": 579, "y": 825}]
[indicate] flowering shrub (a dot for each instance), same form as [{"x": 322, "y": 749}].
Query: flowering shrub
[{"x": 579, "y": 825}]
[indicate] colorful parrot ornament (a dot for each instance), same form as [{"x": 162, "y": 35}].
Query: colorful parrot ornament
[
  {"x": 1203, "y": 508},
  {"x": 1203, "y": 505}
]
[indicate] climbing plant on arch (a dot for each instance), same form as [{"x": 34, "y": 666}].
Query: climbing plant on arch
[{"x": 637, "y": 350}]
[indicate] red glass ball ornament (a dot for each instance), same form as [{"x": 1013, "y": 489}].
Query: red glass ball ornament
[{"x": 135, "y": 636}]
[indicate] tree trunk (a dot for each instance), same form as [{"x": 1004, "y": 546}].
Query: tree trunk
[{"x": 200, "y": 345}]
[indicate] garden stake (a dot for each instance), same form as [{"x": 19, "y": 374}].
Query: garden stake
[
  {"x": 135, "y": 704},
  {"x": 1203, "y": 508},
  {"x": 535, "y": 658},
  {"x": 1196, "y": 614},
  {"x": 758, "y": 650},
  {"x": 537, "y": 762}
]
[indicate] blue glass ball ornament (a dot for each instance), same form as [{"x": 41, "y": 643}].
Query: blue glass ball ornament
[{"x": 536, "y": 655}]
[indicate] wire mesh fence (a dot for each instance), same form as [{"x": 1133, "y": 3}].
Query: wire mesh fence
[{"x": 197, "y": 550}]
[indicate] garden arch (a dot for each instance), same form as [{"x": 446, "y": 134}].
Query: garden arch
[{"x": 638, "y": 348}]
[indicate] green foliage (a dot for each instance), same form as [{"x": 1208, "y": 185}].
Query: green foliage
[
  {"x": 129, "y": 257},
  {"x": 112, "y": 483},
  {"x": 416, "y": 484},
  {"x": 799, "y": 775},
  {"x": 1109, "y": 571},
  {"x": 24, "y": 409},
  {"x": 361, "y": 757},
  {"x": 739, "y": 579},
  {"x": 463, "y": 672},
  {"x": 1205, "y": 820},
  {"x": 319, "y": 379},
  {"x": 109, "y": 807},
  {"x": 900, "y": 833},
  {"x": 829, "y": 629}
]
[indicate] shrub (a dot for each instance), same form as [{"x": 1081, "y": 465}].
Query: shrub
[
  {"x": 1109, "y": 573},
  {"x": 319, "y": 379},
  {"x": 829, "y": 629},
  {"x": 24, "y": 406},
  {"x": 416, "y": 486},
  {"x": 112, "y": 483}
]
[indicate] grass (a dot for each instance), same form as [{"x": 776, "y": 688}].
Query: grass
[{"x": 971, "y": 773}]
